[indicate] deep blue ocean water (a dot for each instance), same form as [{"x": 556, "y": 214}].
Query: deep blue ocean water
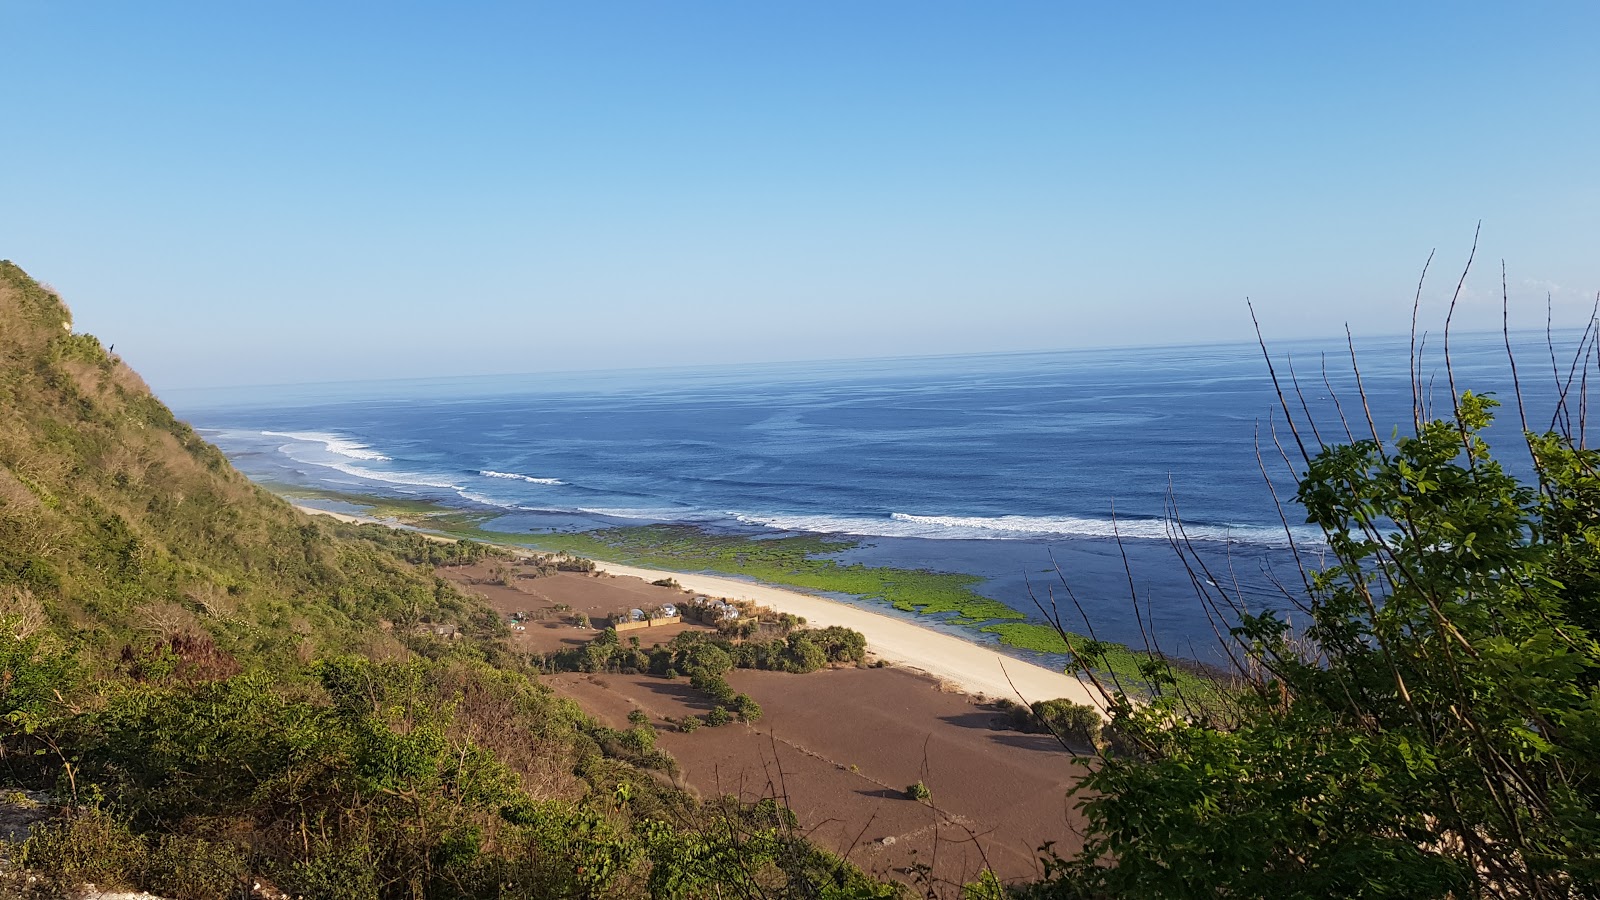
[{"x": 1003, "y": 466}]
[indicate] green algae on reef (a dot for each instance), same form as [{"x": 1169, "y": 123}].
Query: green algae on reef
[{"x": 795, "y": 561}]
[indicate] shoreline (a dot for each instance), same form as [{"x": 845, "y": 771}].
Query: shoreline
[{"x": 970, "y": 666}]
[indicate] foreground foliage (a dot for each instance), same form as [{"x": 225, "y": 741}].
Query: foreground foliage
[
  {"x": 368, "y": 780},
  {"x": 1435, "y": 729}
]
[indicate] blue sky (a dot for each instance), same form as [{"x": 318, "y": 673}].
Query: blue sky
[{"x": 263, "y": 193}]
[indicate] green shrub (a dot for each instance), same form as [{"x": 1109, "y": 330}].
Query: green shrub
[
  {"x": 688, "y": 724},
  {"x": 1073, "y": 723},
  {"x": 346, "y": 873},
  {"x": 747, "y": 709},
  {"x": 1428, "y": 730},
  {"x": 566, "y": 563},
  {"x": 714, "y": 686},
  {"x": 718, "y": 716},
  {"x": 641, "y": 739},
  {"x": 184, "y": 867},
  {"x": 85, "y": 845},
  {"x": 709, "y": 658},
  {"x": 919, "y": 792}
]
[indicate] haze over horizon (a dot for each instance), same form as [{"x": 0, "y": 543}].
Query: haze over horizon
[{"x": 293, "y": 194}]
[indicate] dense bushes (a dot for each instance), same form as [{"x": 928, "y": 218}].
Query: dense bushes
[
  {"x": 364, "y": 780},
  {"x": 423, "y": 550},
  {"x": 706, "y": 655},
  {"x": 1074, "y": 723}
]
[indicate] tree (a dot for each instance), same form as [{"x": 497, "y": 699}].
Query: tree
[
  {"x": 1434, "y": 730},
  {"x": 502, "y": 574},
  {"x": 748, "y": 710},
  {"x": 709, "y": 658},
  {"x": 640, "y": 739}
]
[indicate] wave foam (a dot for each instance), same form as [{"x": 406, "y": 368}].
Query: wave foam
[
  {"x": 333, "y": 443},
  {"x": 340, "y": 445},
  {"x": 513, "y": 475},
  {"x": 653, "y": 515},
  {"x": 1023, "y": 528},
  {"x": 474, "y": 497},
  {"x": 419, "y": 479}
]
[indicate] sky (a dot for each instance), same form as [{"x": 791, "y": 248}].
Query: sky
[{"x": 265, "y": 193}]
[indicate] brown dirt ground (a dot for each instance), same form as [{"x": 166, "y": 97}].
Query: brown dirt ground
[
  {"x": 839, "y": 746},
  {"x": 595, "y": 596}
]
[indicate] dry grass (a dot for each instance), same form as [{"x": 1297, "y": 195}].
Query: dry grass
[
  {"x": 211, "y": 600},
  {"x": 165, "y": 620},
  {"x": 21, "y": 614},
  {"x": 15, "y": 497},
  {"x": 127, "y": 379}
]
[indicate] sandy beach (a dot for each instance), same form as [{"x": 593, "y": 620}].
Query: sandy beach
[{"x": 972, "y": 667}]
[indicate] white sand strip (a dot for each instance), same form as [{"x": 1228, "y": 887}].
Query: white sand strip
[
  {"x": 972, "y": 667},
  {"x": 342, "y": 517}
]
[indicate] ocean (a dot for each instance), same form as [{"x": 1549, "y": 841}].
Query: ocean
[{"x": 1032, "y": 471}]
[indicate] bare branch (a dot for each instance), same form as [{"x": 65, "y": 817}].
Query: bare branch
[
  {"x": 1455, "y": 396},
  {"x": 1416, "y": 360}
]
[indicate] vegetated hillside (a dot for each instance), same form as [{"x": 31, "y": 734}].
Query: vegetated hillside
[
  {"x": 221, "y": 692},
  {"x": 119, "y": 519}
]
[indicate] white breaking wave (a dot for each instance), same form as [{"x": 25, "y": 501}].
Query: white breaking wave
[
  {"x": 419, "y": 479},
  {"x": 333, "y": 443},
  {"x": 339, "y": 445},
  {"x": 514, "y": 476},
  {"x": 656, "y": 515},
  {"x": 486, "y": 500},
  {"x": 1023, "y": 528}
]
